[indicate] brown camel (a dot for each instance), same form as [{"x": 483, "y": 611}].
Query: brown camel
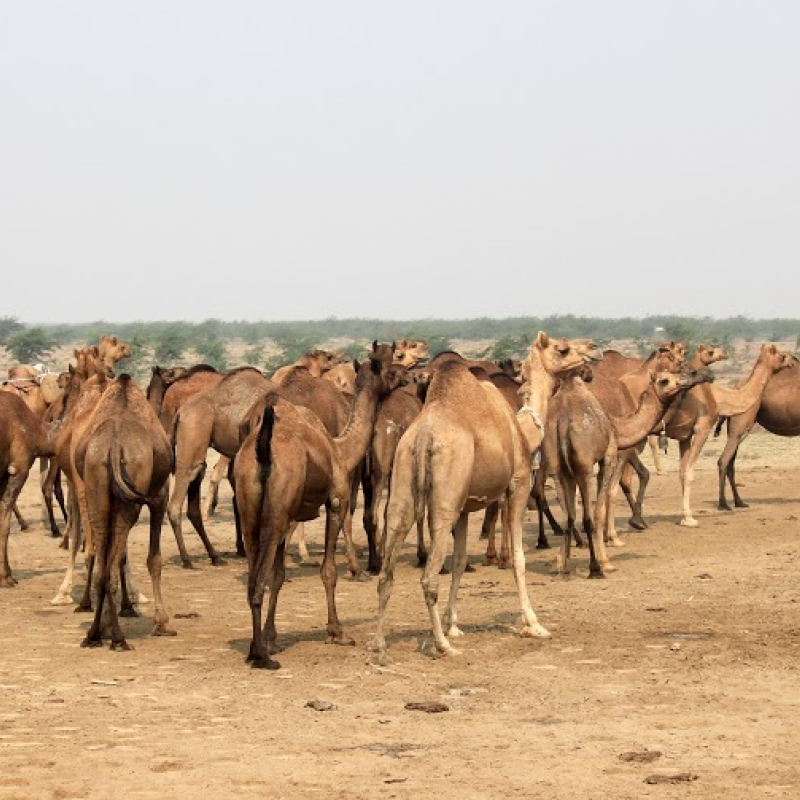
[
  {"x": 465, "y": 450},
  {"x": 408, "y": 352},
  {"x": 694, "y": 418},
  {"x": 317, "y": 362},
  {"x": 169, "y": 389},
  {"x": 289, "y": 466},
  {"x": 615, "y": 365},
  {"x": 124, "y": 459},
  {"x": 778, "y": 411},
  {"x": 112, "y": 350},
  {"x": 23, "y": 438},
  {"x": 343, "y": 377}
]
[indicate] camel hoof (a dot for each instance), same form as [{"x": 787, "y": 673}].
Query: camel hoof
[
  {"x": 342, "y": 640},
  {"x": 218, "y": 561},
  {"x": 8, "y": 582},
  {"x": 454, "y": 632},
  {"x": 381, "y": 658},
  {"x": 87, "y": 642},
  {"x": 741, "y": 504},
  {"x": 187, "y": 564},
  {"x": 82, "y": 609},
  {"x": 690, "y": 522},
  {"x": 597, "y": 573},
  {"x": 469, "y": 568},
  {"x": 62, "y": 599},
  {"x": 55, "y": 533},
  {"x": 273, "y": 647},
  {"x": 141, "y": 600},
  {"x": 444, "y": 571},
  {"x": 447, "y": 652},
  {"x": 64, "y": 544},
  {"x": 120, "y": 647},
  {"x": 608, "y": 567},
  {"x": 637, "y": 523},
  {"x": 723, "y": 506},
  {"x": 163, "y": 630},
  {"x": 535, "y": 631},
  {"x": 616, "y": 542},
  {"x": 128, "y": 612},
  {"x": 260, "y": 662},
  {"x": 489, "y": 561},
  {"x": 359, "y": 577},
  {"x": 543, "y": 545}
]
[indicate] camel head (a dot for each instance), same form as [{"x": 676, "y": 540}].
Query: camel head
[
  {"x": 112, "y": 350},
  {"x": 678, "y": 350},
  {"x": 396, "y": 376},
  {"x": 710, "y": 355},
  {"x": 668, "y": 384},
  {"x": 376, "y": 371},
  {"x": 561, "y": 355},
  {"x": 89, "y": 363},
  {"x": 775, "y": 359},
  {"x": 511, "y": 367},
  {"x": 409, "y": 352}
]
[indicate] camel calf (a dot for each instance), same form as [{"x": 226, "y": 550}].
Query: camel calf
[{"x": 124, "y": 460}]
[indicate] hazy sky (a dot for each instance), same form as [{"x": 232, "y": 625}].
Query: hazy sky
[{"x": 290, "y": 160}]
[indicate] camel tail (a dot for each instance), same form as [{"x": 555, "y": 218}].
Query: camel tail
[
  {"x": 718, "y": 427},
  {"x": 264, "y": 443},
  {"x": 421, "y": 480},
  {"x": 121, "y": 483}
]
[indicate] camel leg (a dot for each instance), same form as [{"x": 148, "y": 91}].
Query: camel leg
[
  {"x": 126, "y": 605},
  {"x": 601, "y": 510},
  {"x": 516, "y": 504},
  {"x": 10, "y": 487},
  {"x": 488, "y": 531},
  {"x": 333, "y": 525},
  {"x": 196, "y": 518},
  {"x": 180, "y": 489},
  {"x": 567, "y": 494},
  {"x": 590, "y": 525},
  {"x": 690, "y": 451},
  {"x": 611, "y": 537},
  {"x": 212, "y": 492},
  {"x": 727, "y": 465},
  {"x": 450, "y": 619},
  {"x": 353, "y": 564},
  {"x": 59, "y": 493},
  {"x": 370, "y": 519},
  {"x": 276, "y": 583},
  {"x": 23, "y": 523},
  {"x": 237, "y": 521},
  {"x": 154, "y": 562},
  {"x": 637, "y": 521},
  {"x": 399, "y": 518},
  {"x": 658, "y": 462},
  {"x": 302, "y": 545},
  {"x": 63, "y": 596},
  {"x": 505, "y": 542},
  {"x": 123, "y": 520},
  {"x": 48, "y": 488}
]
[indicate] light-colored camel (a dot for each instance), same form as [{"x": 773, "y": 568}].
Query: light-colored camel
[
  {"x": 410, "y": 352},
  {"x": 694, "y": 418},
  {"x": 317, "y": 362},
  {"x": 289, "y": 466},
  {"x": 112, "y": 350},
  {"x": 704, "y": 356},
  {"x": 464, "y": 451},
  {"x": 23, "y": 438},
  {"x": 777, "y": 411},
  {"x": 614, "y": 364},
  {"x": 343, "y": 377},
  {"x": 124, "y": 459}
]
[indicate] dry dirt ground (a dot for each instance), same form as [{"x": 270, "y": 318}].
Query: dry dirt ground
[{"x": 682, "y": 664}]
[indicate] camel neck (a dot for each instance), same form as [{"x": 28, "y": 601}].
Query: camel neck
[
  {"x": 353, "y": 441},
  {"x": 634, "y": 428}
]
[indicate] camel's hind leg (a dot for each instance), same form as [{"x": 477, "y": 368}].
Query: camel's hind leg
[
  {"x": 567, "y": 495},
  {"x": 459, "y": 565},
  {"x": 658, "y": 462},
  {"x": 10, "y": 487},
  {"x": 23, "y": 523},
  {"x": 196, "y": 518},
  {"x": 73, "y": 534},
  {"x": 333, "y": 525},
  {"x": 212, "y": 493},
  {"x": 690, "y": 452},
  {"x": 160, "y": 617}
]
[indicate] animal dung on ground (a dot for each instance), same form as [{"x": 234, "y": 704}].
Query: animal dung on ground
[
  {"x": 187, "y": 615},
  {"x": 320, "y": 705},
  {"x": 675, "y": 777},
  {"x": 641, "y": 756},
  {"x": 428, "y": 706}
]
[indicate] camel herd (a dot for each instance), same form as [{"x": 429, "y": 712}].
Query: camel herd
[{"x": 428, "y": 441}]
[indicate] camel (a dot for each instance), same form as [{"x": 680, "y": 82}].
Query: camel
[
  {"x": 112, "y": 350},
  {"x": 343, "y": 377},
  {"x": 317, "y": 362},
  {"x": 465, "y": 450},
  {"x": 615, "y": 365},
  {"x": 124, "y": 459},
  {"x": 408, "y": 352},
  {"x": 289, "y": 466},
  {"x": 694, "y": 418},
  {"x": 23, "y": 438},
  {"x": 778, "y": 411},
  {"x": 169, "y": 389}
]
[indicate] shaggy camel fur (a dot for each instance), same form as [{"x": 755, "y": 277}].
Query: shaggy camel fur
[
  {"x": 694, "y": 418},
  {"x": 465, "y": 450},
  {"x": 289, "y": 466},
  {"x": 23, "y": 438},
  {"x": 778, "y": 411},
  {"x": 124, "y": 459}
]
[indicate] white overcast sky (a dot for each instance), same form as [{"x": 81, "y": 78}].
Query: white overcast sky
[{"x": 296, "y": 160}]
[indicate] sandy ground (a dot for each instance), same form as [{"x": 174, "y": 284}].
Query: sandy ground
[{"x": 685, "y": 661}]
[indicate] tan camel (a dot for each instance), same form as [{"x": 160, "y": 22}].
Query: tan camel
[
  {"x": 615, "y": 365},
  {"x": 289, "y": 466},
  {"x": 23, "y": 438},
  {"x": 317, "y": 362},
  {"x": 124, "y": 459},
  {"x": 465, "y": 450},
  {"x": 703, "y": 356},
  {"x": 343, "y": 377},
  {"x": 777, "y": 411},
  {"x": 694, "y": 418},
  {"x": 410, "y": 352},
  {"x": 112, "y": 350}
]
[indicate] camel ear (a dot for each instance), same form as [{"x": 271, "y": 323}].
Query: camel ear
[
  {"x": 543, "y": 340},
  {"x": 112, "y": 339},
  {"x": 374, "y": 345},
  {"x": 394, "y": 347}
]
